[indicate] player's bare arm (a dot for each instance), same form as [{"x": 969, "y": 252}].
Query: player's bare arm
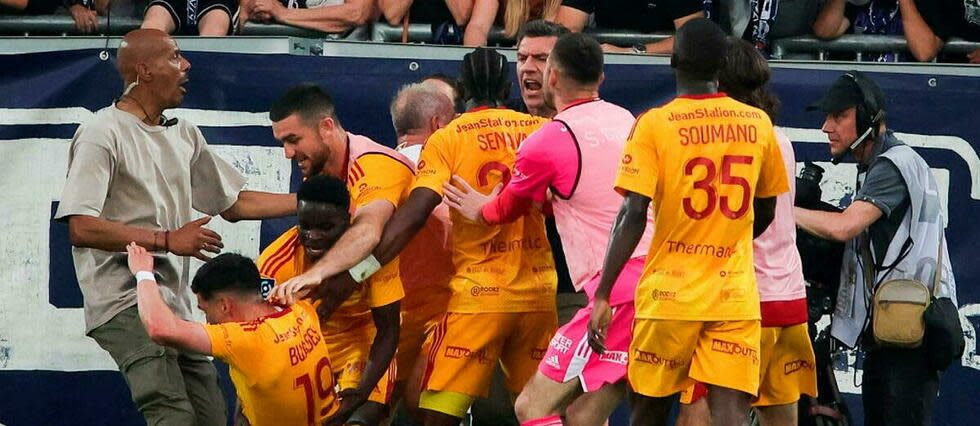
[
  {"x": 163, "y": 327},
  {"x": 260, "y": 205},
  {"x": 387, "y": 321},
  {"x": 838, "y": 226},
  {"x": 192, "y": 239},
  {"x": 765, "y": 212},
  {"x": 626, "y": 234},
  {"x": 353, "y": 246}
]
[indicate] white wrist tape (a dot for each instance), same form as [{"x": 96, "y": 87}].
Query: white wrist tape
[
  {"x": 145, "y": 275},
  {"x": 364, "y": 269}
]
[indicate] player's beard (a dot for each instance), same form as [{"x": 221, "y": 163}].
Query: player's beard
[{"x": 549, "y": 97}]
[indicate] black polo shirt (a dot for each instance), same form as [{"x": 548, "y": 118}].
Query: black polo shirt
[{"x": 645, "y": 16}]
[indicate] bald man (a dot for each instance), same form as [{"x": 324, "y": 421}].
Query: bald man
[{"x": 134, "y": 175}]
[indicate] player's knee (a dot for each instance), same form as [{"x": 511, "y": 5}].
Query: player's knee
[
  {"x": 215, "y": 23},
  {"x": 158, "y": 18}
]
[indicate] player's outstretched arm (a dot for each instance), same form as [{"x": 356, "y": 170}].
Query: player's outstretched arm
[
  {"x": 626, "y": 234},
  {"x": 163, "y": 327},
  {"x": 765, "y": 212},
  {"x": 260, "y": 205},
  {"x": 405, "y": 223}
]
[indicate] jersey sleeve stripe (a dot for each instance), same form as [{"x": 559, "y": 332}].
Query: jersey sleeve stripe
[{"x": 288, "y": 246}]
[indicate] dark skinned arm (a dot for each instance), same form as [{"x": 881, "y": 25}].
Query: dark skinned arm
[
  {"x": 626, "y": 233},
  {"x": 388, "y": 323},
  {"x": 398, "y": 232},
  {"x": 765, "y": 212}
]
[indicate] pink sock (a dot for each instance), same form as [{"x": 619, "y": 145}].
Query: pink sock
[{"x": 544, "y": 421}]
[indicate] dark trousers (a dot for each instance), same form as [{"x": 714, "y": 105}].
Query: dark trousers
[
  {"x": 169, "y": 387},
  {"x": 899, "y": 387}
]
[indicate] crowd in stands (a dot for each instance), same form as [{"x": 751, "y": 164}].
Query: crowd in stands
[{"x": 926, "y": 25}]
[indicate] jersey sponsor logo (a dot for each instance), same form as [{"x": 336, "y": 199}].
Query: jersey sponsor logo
[
  {"x": 627, "y": 159},
  {"x": 458, "y": 352},
  {"x": 733, "y": 295},
  {"x": 733, "y": 348},
  {"x": 716, "y": 112},
  {"x": 654, "y": 359},
  {"x": 538, "y": 354},
  {"x": 700, "y": 249},
  {"x": 794, "y": 366},
  {"x": 478, "y": 290},
  {"x": 421, "y": 165},
  {"x": 673, "y": 273},
  {"x": 298, "y": 353},
  {"x": 718, "y": 133},
  {"x": 487, "y": 122},
  {"x": 561, "y": 343},
  {"x": 495, "y": 247},
  {"x": 658, "y": 294},
  {"x": 615, "y": 357}
]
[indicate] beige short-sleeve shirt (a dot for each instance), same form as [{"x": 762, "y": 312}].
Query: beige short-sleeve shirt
[{"x": 123, "y": 170}]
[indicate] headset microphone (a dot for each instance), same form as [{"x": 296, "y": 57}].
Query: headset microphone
[{"x": 839, "y": 157}]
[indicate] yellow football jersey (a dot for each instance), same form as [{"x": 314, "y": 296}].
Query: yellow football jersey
[
  {"x": 504, "y": 268},
  {"x": 702, "y": 160},
  {"x": 280, "y": 367}
]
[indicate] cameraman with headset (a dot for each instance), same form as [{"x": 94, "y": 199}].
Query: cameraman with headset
[{"x": 892, "y": 230}]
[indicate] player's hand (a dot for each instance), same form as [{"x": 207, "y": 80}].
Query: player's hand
[
  {"x": 350, "y": 400},
  {"x": 334, "y": 293},
  {"x": 138, "y": 258},
  {"x": 193, "y": 239},
  {"x": 974, "y": 56},
  {"x": 295, "y": 289},
  {"x": 466, "y": 200},
  {"x": 86, "y": 20},
  {"x": 599, "y": 325}
]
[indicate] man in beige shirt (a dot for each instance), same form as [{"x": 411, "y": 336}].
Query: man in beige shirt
[{"x": 133, "y": 175}]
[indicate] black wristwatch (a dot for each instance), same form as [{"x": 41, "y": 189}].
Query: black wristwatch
[{"x": 640, "y": 48}]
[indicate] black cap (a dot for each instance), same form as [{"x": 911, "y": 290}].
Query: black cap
[
  {"x": 842, "y": 95},
  {"x": 845, "y": 93}
]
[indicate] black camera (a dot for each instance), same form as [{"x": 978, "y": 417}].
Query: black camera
[{"x": 821, "y": 258}]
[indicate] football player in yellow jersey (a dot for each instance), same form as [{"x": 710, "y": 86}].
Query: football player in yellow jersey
[
  {"x": 278, "y": 359},
  {"x": 701, "y": 158},
  {"x": 502, "y": 306},
  {"x": 361, "y": 331}
]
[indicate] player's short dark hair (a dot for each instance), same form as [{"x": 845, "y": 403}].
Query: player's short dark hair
[
  {"x": 306, "y": 99},
  {"x": 580, "y": 57},
  {"x": 541, "y": 28},
  {"x": 325, "y": 189},
  {"x": 485, "y": 77},
  {"x": 227, "y": 272},
  {"x": 745, "y": 77},
  {"x": 699, "y": 49}
]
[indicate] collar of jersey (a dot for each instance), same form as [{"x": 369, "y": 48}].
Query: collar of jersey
[{"x": 704, "y": 96}]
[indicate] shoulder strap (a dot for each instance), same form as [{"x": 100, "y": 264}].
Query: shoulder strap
[{"x": 938, "y": 276}]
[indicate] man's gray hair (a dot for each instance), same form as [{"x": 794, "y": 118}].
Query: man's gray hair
[{"x": 415, "y": 104}]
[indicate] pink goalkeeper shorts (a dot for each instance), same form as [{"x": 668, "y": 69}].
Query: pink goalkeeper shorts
[{"x": 569, "y": 355}]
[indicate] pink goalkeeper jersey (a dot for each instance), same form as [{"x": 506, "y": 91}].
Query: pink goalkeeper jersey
[
  {"x": 778, "y": 269},
  {"x": 576, "y": 156}
]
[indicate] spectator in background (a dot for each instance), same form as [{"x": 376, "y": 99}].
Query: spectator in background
[
  {"x": 85, "y": 13},
  {"x": 190, "y": 17},
  {"x": 511, "y": 14},
  {"x": 29, "y": 7},
  {"x": 930, "y": 23},
  {"x": 645, "y": 16},
  {"x": 879, "y": 17},
  {"x": 446, "y": 16},
  {"x": 329, "y": 16},
  {"x": 761, "y": 21}
]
